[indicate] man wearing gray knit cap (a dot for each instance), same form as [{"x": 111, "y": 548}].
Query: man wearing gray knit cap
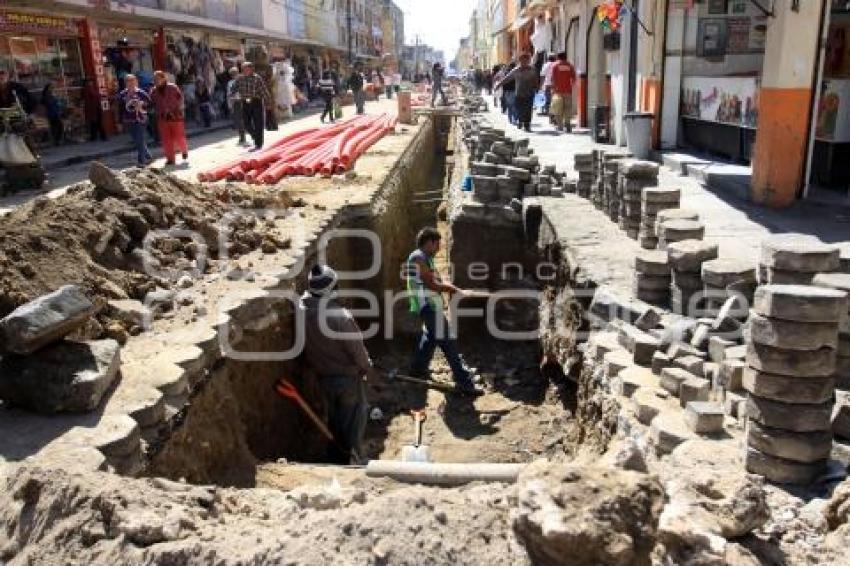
[{"x": 335, "y": 350}]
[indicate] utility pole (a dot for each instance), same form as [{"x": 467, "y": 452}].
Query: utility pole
[{"x": 350, "y": 38}]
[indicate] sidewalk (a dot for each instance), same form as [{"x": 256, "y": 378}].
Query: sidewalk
[{"x": 735, "y": 224}]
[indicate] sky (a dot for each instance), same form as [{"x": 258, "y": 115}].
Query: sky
[{"x": 439, "y": 23}]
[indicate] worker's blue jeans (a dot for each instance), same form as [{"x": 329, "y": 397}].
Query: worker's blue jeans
[
  {"x": 435, "y": 332},
  {"x": 137, "y": 134},
  {"x": 345, "y": 398}
]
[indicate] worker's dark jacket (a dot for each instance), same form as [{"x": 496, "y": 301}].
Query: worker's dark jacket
[{"x": 329, "y": 355}]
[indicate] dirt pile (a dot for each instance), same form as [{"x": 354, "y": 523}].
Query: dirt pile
[{"x": 125, "y": 235}]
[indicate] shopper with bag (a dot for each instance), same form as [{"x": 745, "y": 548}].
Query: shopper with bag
[{"x": 167, "y": 99}]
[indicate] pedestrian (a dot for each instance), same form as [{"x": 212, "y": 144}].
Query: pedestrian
[
  {"x": 133, "y": 104},
  {"x": 53, "y": 110},
  {"x": 563, "y": 80},
  {"x": 509, "y": 94},
  {"x": 328, "y": 91},
  {"x": 92, "y": 110},
  {"x": 526, "y": 79},
  {"x": 202, "y": 92},
  {"x": 235, "y": 105},
  {"x": 355, "y": 83},
  {"x": 335, "y": 351},
  {"x": 377, "y": 87},
  {"x": 167, "y": 99},
  {"x": 254, "y": 95},
  {"x": 425, "y": 289},
  {"x": 546, "y": 79},
  {"x": 437, "y": 75}
]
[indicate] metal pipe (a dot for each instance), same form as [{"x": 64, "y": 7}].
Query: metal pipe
[{"x": 431, "y": 473}]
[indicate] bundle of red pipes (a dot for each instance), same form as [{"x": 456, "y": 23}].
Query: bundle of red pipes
[{"x": 326, "y": 151}]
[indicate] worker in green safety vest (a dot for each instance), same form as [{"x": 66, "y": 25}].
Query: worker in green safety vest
[{"x": 425, "y": 290}]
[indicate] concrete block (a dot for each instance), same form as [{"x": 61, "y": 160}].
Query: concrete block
[
  {"x": 723, "y": 272},
  {"x": 694, "y": 389},
  {"x": 773, "y": 276},
  {"x": 844, "y": 345},
  {"x": 779, "y": 470},
  {"x": 691, "y": 281},
  {"x": 130, "y": 312},
  {"x": 634, "y": 377},
  {"x": 792, "y": 335},
  {"x": 672, "y": 379},
  {"x": 805, "y": 447},
  {"x": 660, "y": 195},
  {"x": 775, "y": 387},
  {"x": 842, "y": 372},
  {"x": 703, "y": 417},
  {"x": 638, "y": 169},
  {"x": 648, "y": 320},
  {"x": 660, "y": 361},
  {"x": 63, "y": 377},
  {"x": 652, "y": 283},
  {"x": 731, "y": 374},
  {"x": 679, "y": 230},
  {"x": 44, "y": 320},
  {"x": 735, "y": 405},
  {"x": 841, "y": 418},
  {"x": 616, "y": 361},
  {"x": 689, "y": 255},
  {"x": 680, "y": 350},
  {"x": 797, "y": 417},
  {"x": 691, "y": 364},
  {"x": 798, "y": 252},
  {"x": 641, "y": 344},
  {"x": 800, "y": 363},
  {"x": 800, "y": 303},
  {"x": 609, "y": 306},
  {"x": 701, "y": 336},
  {"x": 717, "y": 347},
  {"x": 667, "y": 431},
  {"x": 647, "y": 404}
]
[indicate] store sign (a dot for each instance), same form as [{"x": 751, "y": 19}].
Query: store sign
[{"x": 17, "y": 22}]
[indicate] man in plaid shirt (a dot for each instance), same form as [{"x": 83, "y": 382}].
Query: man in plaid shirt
[{"x": 253, "y": 93}]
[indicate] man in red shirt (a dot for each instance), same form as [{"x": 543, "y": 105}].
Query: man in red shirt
[{"x": 563, "y": 77}]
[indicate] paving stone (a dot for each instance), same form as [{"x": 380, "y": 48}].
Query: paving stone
[
  {"x": 701, "y": 336},
  {"x": 805, "y": 447},
  {"x": 779, "y": 470},
  {"x": 635, "y": 168},
  {"x": 660, "y": 360},
  {"x": 660, "y": 297},
  {"x": 691, "y": 364},
  {"x": 844, "y": 266},
  {"x": 773, "y": 276},
  {"x": 694, "y": 389},
  {"x": 841, "y": 418},
  {"x": 801, "y": 363},
  {"x": 798, "y": 417},
  {"x": 616, "y": 361},
  {"x": 656, "y": 283},
  {"x": 647, "y": 404},
  {"x": 689, "y": 255},
  {"x": 723, "y": 272},
  {"x": 735, "y": 404},
  {"x": 704, "y": 417},
  {"x": 674, "y": 214},
  {"x": 734, "y": 309},
  {"x": 648, "y": 320},
  {"x": 143, "y": 403},
  {"x": 842, "y": 372},
  {"x": 661, "y": 195},
  {"x": 690, "y": 281},
  {"x": 634, "y": 377},
  {"x": 44, "y": 320},
  {"x": 783, "y": 388},
  {"x": 671, "y": 379},
  {"x": 797, "y": 252},
  {"x": 800, "y": 303},
  {"x": 844, "y": 345},
  {"x": 167, "y": 377},
  {"x": 667, "y": 431},
  {"x": 641, "y": 344},
  {"x": 64, "y": 377},
  {"x": 792, "y": 335},
  {"x": 838, "y": 281},
  {"x": 717, "y": 347},
  {"x": 114, "y": 435},
  {"x": 610, "y": 306},
  {"x": 679, "y": 230},
  {"x": 680, "y": 350},
  {"x": 731, "y": 374}
]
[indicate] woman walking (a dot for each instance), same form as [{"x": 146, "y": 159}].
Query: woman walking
[{"x": 168, "y": 101}]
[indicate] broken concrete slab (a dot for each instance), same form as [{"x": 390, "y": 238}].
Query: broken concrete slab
[
  {"x": 797, "y": 417},
  {"x": 694, "y": 389},
  {"x": 782, "y": 387},
  {"x": 689, "y": 255},
  {"x": 667, "y": 431},
  {"x": 143, "y": 403},
  {"x": 792, "y": 335},
  {"x": 130, "y": 312},
  {"x": 114, "y": 435},
  {"x": 44, "y": 320},
  {"x": 800, "y": 303},
  {"x": 64, "y": 377},
  {"x": 805, "y": 447},
  {"x": 704, "y": 417},
  {"x": 800, "y": 363},
  {"x": 773, "y": 276},
  {"x": 601, "y": 344},
  {"x": 109, "y": 181},
  {"x": 798, "y": 252},
  {"x": 779, "y": 470}
]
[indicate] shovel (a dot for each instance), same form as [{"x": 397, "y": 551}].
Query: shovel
[{"x": 416, "y": 452}]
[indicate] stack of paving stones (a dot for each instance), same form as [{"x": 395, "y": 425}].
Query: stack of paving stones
[
  {"x": 840, "y": 282},
  {"x": 652, "y": 277},
  {"x": 795, "y": 259},
  {"x": 791, "y": 350},
  {"x": 669, "y": 215},
  {"x": 725, "y": 278},
  {"x": 655, "y": 200},
  {"x": 583, "y": 163},
  {"x": 611, "y": 183},
  {"x": 597, "y": 187},
  {"x": 686, "y": 258},
  {"x": 672, "y": 231},
  {"x": 41, "y": 371},
  {"x": 635, "y": 176}
]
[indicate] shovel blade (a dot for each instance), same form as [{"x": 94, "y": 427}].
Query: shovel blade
[{"x": 410, "y": 453}]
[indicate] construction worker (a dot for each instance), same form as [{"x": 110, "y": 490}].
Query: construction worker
[
  {"x": 425, "y": 290},
  {"x": 334, "y": 349}
]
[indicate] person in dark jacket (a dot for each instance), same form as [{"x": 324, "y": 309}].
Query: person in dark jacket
[
  {"x": 94, "y": 114},
  {"x": 54, "y": 113},
  {"x": 328, "y": 90},
  {"x": 355, "y": 83}
]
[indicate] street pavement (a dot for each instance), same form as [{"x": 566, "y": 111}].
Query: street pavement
[{"x": 206, "y": 150}]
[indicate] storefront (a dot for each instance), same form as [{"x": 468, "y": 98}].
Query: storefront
[
  {"x": 39, "y": 50},
  {"x": 831, "y": 159}
]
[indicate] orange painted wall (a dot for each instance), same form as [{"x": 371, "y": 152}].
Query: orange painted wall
[
  {"x": 650, "y": 101},
  {"x": 779, "y": 154}
]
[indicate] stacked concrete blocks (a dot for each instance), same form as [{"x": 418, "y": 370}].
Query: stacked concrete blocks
[
  {"x": 725, "y": 278},
  {"x": 686, "y": 258},
  {"x": 791, "y": 355},
  {"x": 652, "y": 277},
  {"x": 653, "y": 201},
  {"x": 795, "y": 259},
  {"x": 584, "y": 165},
  {"x": 635, "y": 176}
]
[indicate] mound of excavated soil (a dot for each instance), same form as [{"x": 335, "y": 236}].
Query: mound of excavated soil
[{"x": 94, "y": 236}]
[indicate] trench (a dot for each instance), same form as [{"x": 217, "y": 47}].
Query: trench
[{"x": 236, "y": 431}]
